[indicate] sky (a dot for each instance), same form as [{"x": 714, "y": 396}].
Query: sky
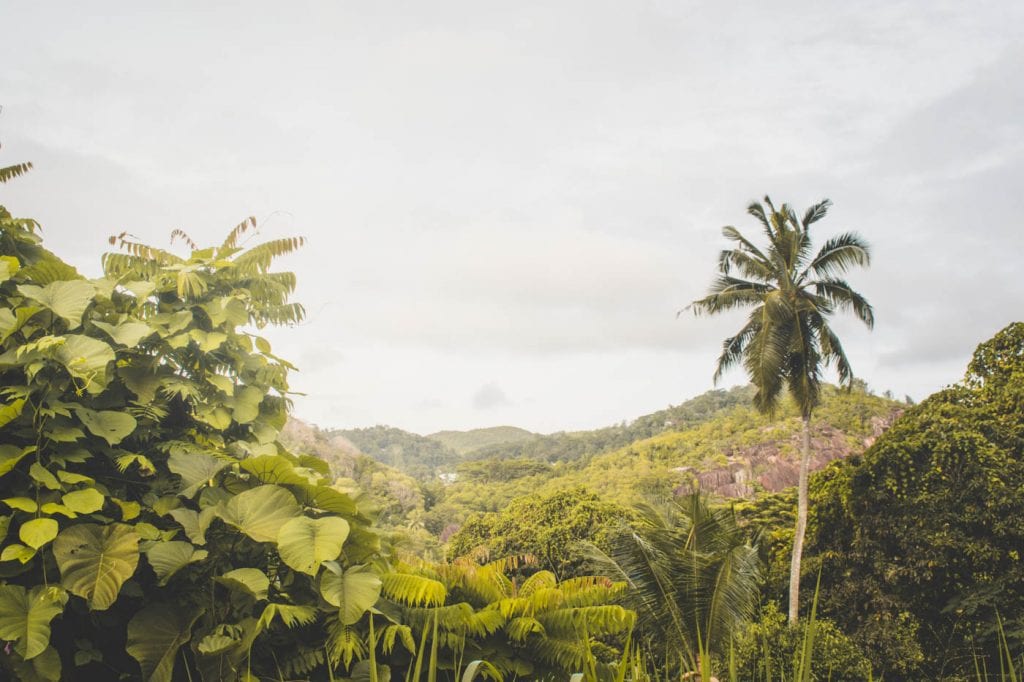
[{"x": 506, "y": 204}]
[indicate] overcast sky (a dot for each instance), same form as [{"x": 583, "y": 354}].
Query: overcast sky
[{"x": 507, "y": 203}]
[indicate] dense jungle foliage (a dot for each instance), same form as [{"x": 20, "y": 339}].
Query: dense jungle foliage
[{"x": 160, "y": 520}]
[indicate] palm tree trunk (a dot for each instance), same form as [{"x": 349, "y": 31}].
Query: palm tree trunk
[{"x": 801, "y": 525}]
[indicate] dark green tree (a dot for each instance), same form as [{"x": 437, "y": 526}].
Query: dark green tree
[
  {"x": 787, "y": 341},
  {"x": 920, "y": 539}
]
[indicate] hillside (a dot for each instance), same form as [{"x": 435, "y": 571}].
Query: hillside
[
  {"x": 465, "y": 442},
  {"x": 735, "y": 453},
  {"x": 716, "y": 441}
]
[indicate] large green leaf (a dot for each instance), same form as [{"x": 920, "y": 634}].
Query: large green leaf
[
  {"x": 86, "y": 358},
  {"x": 272, "y": 469},
  {"x": 195, "y": 468},
  {"x": 66, "y": 299},
  {"x": 353, "y": 591},
  {"x": 154, "y": 636},
  {"x": 305, "y": 543},
  {"x": 246, "y": 403},
  {"x": 11, "y": 411},
  {"x": 260, "y": 512},
  {"x": 325, "y": 498},
  {"x": 95, "y": 560},
  {"x": 109, "y": 425},
  {"x": 194, "y": 523},
  {"x": 251, "y": 581},
  {"x": 85, "y": 501},
  {"x": 13, "y": 322},
  {"x": 38, "y": 532},
  {"x": 127, "y": 333},
  {"x": 167, "y": 558},
  {"x": 9, "y": 266},
  {"x": 10, "y": 455},
  {"x": 25, "y": 616}
]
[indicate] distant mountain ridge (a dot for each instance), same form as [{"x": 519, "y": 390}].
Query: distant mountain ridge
[
  {"x": 465, "y": 442},
  {"x": 424, "y": 457}
]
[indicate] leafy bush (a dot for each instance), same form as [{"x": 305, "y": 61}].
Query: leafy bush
[
  {"x": 150, "y": 520},
  {"x": 920, "y": 539},
  {"x": 768, "y": 647}
]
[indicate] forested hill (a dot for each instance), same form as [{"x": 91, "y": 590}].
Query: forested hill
[
  {"x": 466, "y": 442},
  {"x": 844, "y": 416},
  {"x": 424, "y": 457}
]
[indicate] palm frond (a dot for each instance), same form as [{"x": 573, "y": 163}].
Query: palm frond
[
  {"x": 838, "y": 255},
  {"x": 727, "y": 293},
  {"x": 749, "y": 265},
  {"x": 841, "y": 295},
  {"x": 734, "y": 348},
  {"x": 832, "y": 351},
  {"x": 815, "y": 213}
]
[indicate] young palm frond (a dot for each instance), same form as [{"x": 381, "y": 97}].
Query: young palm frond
[{"x": 693, "y": 576}]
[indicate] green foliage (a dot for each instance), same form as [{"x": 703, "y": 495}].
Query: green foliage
[
  {"x": 151, "y": 522},
  {"x": 533, "y": 628},
  {"x": 694, "y": 577},
  {"x": 419, "y": 456},
  {"x": 548, "y": 527},
  {"x": 465, "y": 442},
  {"x": 920, "y": 539},
  {"x": 767, "y": 648}
]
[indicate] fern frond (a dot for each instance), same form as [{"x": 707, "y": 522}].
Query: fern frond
[
  {"x": 231, "y": 241},
  {"x": 291, "y": 615},
  {"x": 344, "y": 644},
  {"x": 520, "y": 628},
  {"x": 538, "y": 581},
  {"x": 10, "y": 172},
  {"x": 394, "y": 633},
  {"x": 258, "y": 258},
  {"x": 600, "y": 621},
  {"x": 183, "y": 236},
  {"x": 413, "y": 590},
  {"x": 302, "y": 662}
]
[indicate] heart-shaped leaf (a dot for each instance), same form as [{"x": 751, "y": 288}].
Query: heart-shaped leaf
[
  {"x": 260, "y": 512},
  {"x": 109, "y": 425},
  {"x": 167, "y": 558},
  {"x": 154, "y": 636},
  {"x": 95, "y": 560},
  {"x": 353, "y": 591},
  {"x": 305, "y": 543},
  {"x": 25, "y": 616}
]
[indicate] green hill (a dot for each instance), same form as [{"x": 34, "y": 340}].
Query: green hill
[{"x": 465, "y": 442}]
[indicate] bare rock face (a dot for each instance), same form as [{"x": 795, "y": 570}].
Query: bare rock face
[{"x": 774, "y": 464}]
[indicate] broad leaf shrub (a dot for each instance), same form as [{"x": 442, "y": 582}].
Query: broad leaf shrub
[
  {"x": 767, "y": 648},
  {"x": 151, "y": 526}
]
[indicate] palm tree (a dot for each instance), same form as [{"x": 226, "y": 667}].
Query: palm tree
[
  {"x": 787, "y": 342},
  {"x": 693, "y": 574}
]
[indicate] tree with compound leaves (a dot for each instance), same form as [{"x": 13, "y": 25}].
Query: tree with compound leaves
[{"x": 787, "y": 341}]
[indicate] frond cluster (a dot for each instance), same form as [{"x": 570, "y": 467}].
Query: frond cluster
[{"x": 786, "y": 342}]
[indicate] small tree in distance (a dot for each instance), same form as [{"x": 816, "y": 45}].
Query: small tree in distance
[{"x": 787, "y": 342}]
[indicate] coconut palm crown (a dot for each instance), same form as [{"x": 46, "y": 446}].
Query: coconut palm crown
[{"x": 787, "y": 341}]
